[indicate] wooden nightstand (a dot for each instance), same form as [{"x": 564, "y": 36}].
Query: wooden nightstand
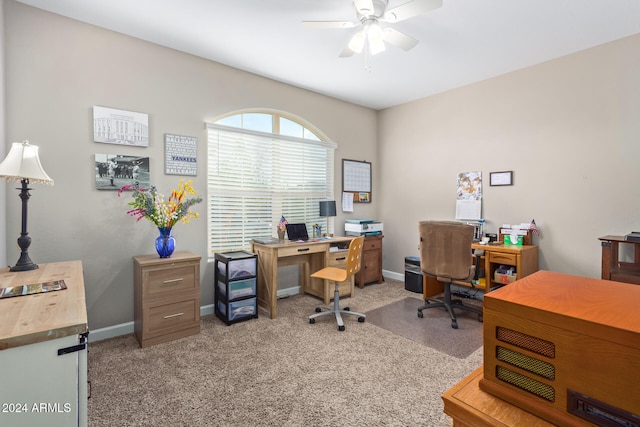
[
  {"x": 371, "y": 270},
  {"x": 166, "y": 297}
]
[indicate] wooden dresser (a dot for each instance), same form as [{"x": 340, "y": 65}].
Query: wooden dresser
[
  {"x": 371, "y": 271},
  {"x": 166, "y": 297}
]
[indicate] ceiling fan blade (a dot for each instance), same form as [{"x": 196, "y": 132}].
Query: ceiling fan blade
[
  {"x": 346, "y": 52},
  {"x": 411, "y": 9},
  {"x": 399, "y": 39},
  {"x": 329, "y": 24},
  {"x": 364, "y": 7}
]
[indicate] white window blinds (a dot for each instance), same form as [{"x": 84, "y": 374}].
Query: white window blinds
[{"x": 254, "y": 178}]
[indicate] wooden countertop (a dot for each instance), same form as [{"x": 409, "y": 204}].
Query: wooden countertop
[{"x": 45, "y": 316}]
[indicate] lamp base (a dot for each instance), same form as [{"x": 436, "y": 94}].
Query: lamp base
[{"x": 24, "y": 264}]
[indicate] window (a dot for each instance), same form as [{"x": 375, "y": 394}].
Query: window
[{"x": 262, "y": 166}]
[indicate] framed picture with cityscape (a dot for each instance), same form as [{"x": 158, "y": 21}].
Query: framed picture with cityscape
[
  {"x": 114, "y": 171},
  {"x": 121, "y": 127}
]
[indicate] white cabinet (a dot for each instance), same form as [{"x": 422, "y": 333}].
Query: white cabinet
[{"x": 43, "y": 354}]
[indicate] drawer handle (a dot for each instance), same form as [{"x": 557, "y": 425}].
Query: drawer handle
[
  {"x": 303, "y": 250},
  {"x": 166, "y": 282},
  {"x": 170, "y": 316},
  {"x": 341, "y": 259}
]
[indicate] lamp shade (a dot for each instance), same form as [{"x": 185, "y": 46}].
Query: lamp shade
[
  {"x": 23, "y": 162},
  {"x": 328, "y": 208}
]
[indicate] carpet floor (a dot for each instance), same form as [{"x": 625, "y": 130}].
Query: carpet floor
[{"x": 278, "y": 372}]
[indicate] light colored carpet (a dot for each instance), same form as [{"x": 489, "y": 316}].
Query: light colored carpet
[
  {"x": 280, "y": 372},
  {"x": 434, "y": 330}
]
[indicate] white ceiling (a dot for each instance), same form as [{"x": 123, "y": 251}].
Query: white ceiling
[{"x": 463, "y": 42}]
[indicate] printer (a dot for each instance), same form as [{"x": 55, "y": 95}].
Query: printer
[{"x": 360, "y": 227}]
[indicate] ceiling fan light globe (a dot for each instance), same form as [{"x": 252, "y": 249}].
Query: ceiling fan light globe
[
  {"x": 376, "y": 46},
  {"x": 356, "y": 43}
]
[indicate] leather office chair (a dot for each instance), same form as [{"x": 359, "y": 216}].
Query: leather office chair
[
  {"x": 337, "y": 275},
  {"x": 445, "y": 253}
]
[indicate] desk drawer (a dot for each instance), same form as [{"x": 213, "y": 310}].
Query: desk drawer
[
  {"x": 338, "y": 259},
  {"x": 501, "y": 258},
  {"x": 301, "y": 250},
  {"x": 173, "y": 278}
]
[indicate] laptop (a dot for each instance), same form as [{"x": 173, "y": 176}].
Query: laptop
[{"x": 297, "y": 232}]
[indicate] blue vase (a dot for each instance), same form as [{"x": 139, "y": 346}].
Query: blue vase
[{"x": 165, "y": 243}]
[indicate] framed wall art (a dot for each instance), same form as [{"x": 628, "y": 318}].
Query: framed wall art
[
  {"x": 114, "y": 171},
  {"x": 180, "y": 155},
  {"x": 500, "y": 178},
  {"x": 122, "y": 127}
]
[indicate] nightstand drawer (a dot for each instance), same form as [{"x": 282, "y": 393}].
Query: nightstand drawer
[
  {"x": 173, "y": 278},
  {"x": 500, "y": 258},
  {"x": 171, "y": 317},
  {"x": 372, "y": 244}
]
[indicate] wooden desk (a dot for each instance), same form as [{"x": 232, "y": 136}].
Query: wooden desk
[
  {"x": 469, "y": 406},
  {"x": 612, "y": 267},
  {"x": 33, "y": 331},
  {"x": 312, "y": 256},
  {"x": 523, "y": 257}
]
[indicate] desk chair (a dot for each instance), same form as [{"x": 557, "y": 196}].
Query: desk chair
[
  {"x": 337, "y": 275},
  {"x": 445, "y": 253}
]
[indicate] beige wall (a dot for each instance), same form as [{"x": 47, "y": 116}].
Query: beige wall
[
  {"x": 58, "y": 69},
  {"x": 568, "y": 128}
]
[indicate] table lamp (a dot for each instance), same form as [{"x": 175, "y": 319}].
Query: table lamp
[
  {"x": 328, "y": 208},
  {"x": 22, "y": 164}
]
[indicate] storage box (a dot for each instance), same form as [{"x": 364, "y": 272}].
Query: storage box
[
  {"x": 238, "y": 309},
  {"x": 236, "y": 265},
  {"x": 505, "y": 279},
  {"x": 238, "y": 288}
]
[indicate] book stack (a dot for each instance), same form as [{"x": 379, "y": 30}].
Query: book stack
[{"x": 634, "y": 236}]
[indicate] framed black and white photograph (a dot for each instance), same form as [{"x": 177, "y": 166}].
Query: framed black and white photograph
[
  {"x": 500, "y": 178},
  {"x": 122, "y": 127},
  {"x": 114, "y": 171},
  {"x": 180, "y": 155}
]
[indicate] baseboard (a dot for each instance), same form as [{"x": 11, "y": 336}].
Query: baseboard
[
  {"x": 205, "y": 310},
  {"x": 128, "y": 327},
  {"x": 393, "y": 275}
]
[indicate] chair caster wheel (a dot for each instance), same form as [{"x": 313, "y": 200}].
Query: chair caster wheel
[
  {"x": 480, "y": 318},
  {"x": 312, "y": 321},
  {"x": 347, "y": 309},
  {"x": 318, "y": 309},
  {"x": 341, "y": 328},
  {"x": 361, "y": 319},
  {"x": 454, "y": 325},
  {"x": 420, "y": 315}
]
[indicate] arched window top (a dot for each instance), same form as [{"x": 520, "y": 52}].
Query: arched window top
[{"x": 274, "y": 122}]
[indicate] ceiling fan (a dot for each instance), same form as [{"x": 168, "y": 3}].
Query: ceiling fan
[{"x": 371, "y": 35}]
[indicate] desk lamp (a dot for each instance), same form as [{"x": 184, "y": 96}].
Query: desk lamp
[
  {"x": 327, "y": 209},
  {"x": 22, "y": 164}
]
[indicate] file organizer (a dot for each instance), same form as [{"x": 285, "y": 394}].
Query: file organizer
[{"x": 236, "y": 277}]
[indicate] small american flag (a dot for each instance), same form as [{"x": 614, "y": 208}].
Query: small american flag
[
  {"x": 282, "y": 225},
  {"x": 534, "y": 228}
]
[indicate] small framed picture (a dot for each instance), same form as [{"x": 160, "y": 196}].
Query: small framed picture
[{"x": 501, "y": 178}]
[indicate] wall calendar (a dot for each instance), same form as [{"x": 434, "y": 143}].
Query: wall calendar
[{"x": 356, "y": 179}]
